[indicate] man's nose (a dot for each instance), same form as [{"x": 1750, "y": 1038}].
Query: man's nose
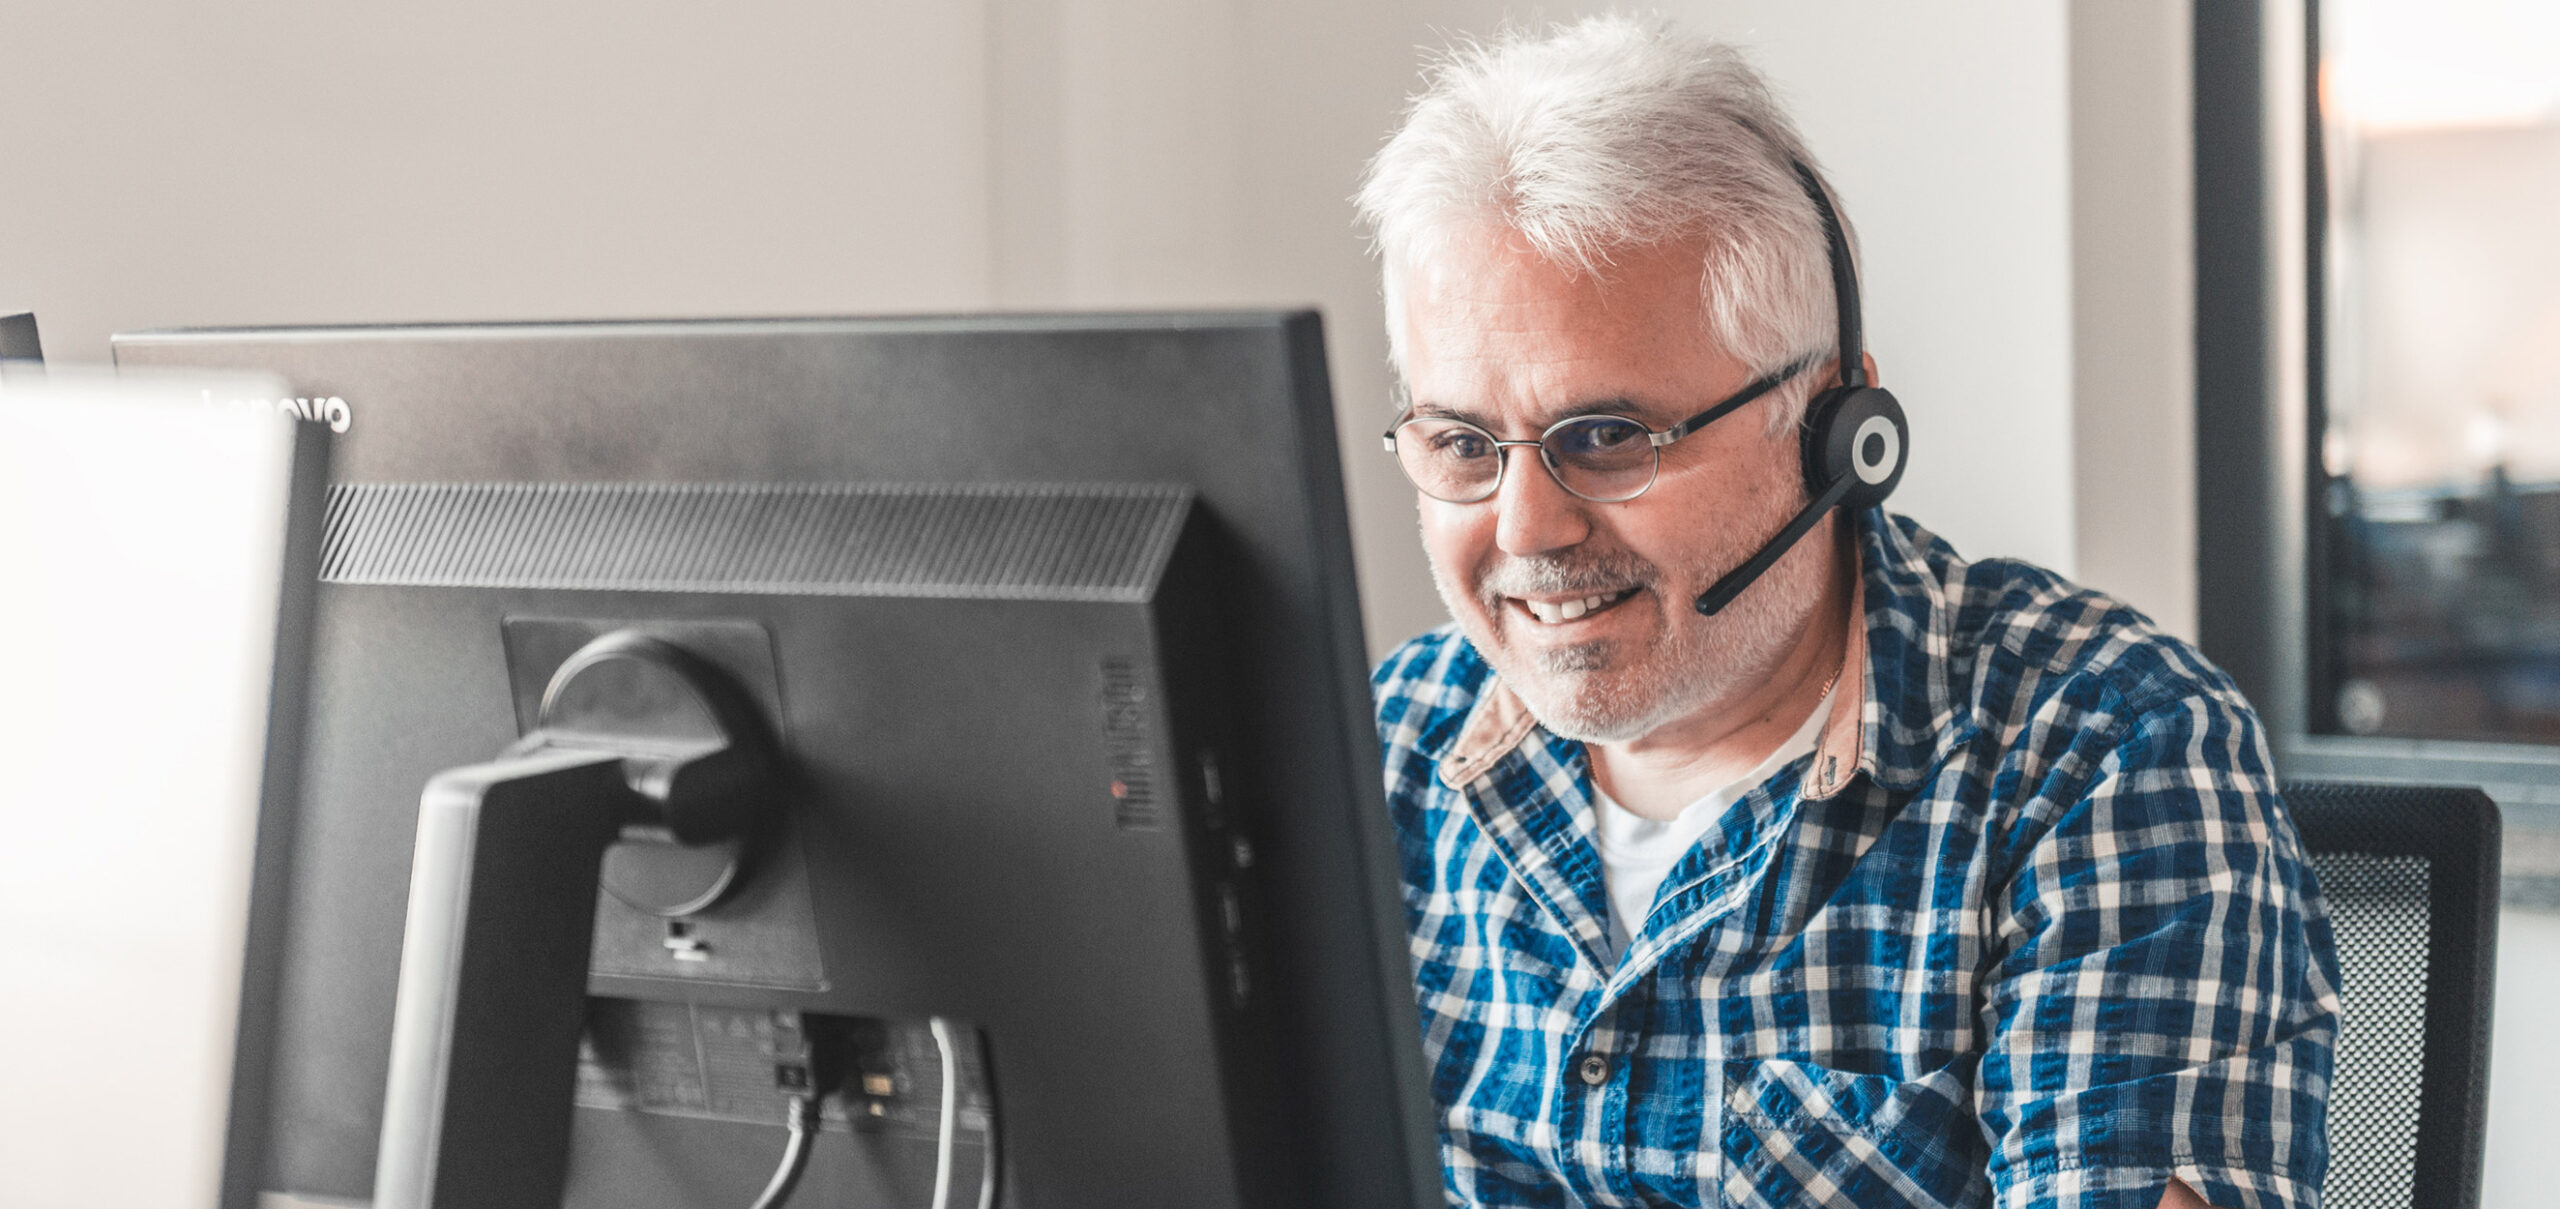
[{"x": 1534, "y": 513}]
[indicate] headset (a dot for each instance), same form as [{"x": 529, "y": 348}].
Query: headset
[{"x": 1855, "y": 440}]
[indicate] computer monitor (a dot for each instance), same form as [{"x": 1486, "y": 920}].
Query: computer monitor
[
  {"x": 1035, "y": 644},
  {"x": 159, "y": 560},
  {"x": 19, "y": 340}
]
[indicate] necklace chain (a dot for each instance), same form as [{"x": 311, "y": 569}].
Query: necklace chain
[{"x": 1832, "y": 683}]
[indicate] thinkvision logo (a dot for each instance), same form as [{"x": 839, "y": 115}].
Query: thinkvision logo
[{"x": 331, "y": 411}]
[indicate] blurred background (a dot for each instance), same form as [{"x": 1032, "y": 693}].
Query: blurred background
[
  {"x": 289, "y": 161},
  {"x": 2023, "y": 174},
  {"x": 2440, "y": 442}
]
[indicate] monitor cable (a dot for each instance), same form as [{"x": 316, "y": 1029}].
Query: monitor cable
[
  {"x": 947, "y": 1139},
  {"x": 795, "y": 1153},
  {"x": 989, "y": 1172},
  {"x": 807, "y": 1074}
]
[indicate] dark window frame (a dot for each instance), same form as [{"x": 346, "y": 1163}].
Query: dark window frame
[
  {"x": 2261, "y": 486},
  {"x": 2261, "y": 547}
]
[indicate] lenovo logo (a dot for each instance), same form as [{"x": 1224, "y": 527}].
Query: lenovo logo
[{"x": 331, "y": 411}]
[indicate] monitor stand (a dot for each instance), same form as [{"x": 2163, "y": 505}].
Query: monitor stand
[{"x": 639, "y": 739}]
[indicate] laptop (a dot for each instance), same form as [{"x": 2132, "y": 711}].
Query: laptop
[{"x": 157, "y": 540}]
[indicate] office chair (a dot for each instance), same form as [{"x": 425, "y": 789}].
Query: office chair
[{"x": 2411, "y": 877}]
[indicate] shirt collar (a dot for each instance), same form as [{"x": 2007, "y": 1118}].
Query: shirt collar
[
  {"x": 1914, "y": 589},
  {"x": 1891, "y": 735},
  {"x": 1841, "y": 753}
]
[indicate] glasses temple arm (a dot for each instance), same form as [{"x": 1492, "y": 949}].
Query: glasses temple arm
[{"x": 1737, "y": 399}]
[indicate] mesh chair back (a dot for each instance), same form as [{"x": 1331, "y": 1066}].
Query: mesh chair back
[{"x": 2411, "y": 878}]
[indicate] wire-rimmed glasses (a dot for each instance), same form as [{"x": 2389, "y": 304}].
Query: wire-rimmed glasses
[{"x": 1606, "y": 459}]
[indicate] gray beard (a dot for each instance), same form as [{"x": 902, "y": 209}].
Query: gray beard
[{"x": 1596, "y": 692}]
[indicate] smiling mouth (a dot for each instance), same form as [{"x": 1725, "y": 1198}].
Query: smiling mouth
[{"x": 1558, "y": 612}]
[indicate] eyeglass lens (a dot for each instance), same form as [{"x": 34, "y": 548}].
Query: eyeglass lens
[{"x": 1600, "y": 458}]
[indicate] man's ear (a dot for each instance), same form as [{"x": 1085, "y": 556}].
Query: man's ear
[{"x": 1869, "y": 360}]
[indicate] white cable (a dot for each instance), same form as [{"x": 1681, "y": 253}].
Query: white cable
[
  {"x": 950, "y": 1135},
  {"x": 804, "y": 1119},
  {"x": 989, "y": 1160}
]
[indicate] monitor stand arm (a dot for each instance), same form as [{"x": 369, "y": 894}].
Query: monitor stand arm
[
  {"x": 493, "y": 979},
  {"x": 636, "y": 736}
]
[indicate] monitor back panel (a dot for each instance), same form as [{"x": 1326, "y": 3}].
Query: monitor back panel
[{"x": 914, "y": 919}]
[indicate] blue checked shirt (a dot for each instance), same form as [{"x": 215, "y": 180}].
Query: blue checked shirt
[{"x": 2030, "y": 927}]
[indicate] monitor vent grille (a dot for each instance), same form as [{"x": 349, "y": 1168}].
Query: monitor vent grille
[{"x": 1104, "y": 543}]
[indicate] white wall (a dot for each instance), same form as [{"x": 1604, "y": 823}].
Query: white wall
[
  {"x": 296, "y": 161},
  {"x": 1946, "y": 128},
  {"x": 2133, "y": 304},
  {"x": 2523, "y": 1064}
]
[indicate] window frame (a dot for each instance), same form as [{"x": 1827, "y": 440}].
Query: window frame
[{"x": 2261, "y": 231}]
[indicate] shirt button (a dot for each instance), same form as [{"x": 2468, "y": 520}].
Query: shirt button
[{"x": 1595, "y": 1069}]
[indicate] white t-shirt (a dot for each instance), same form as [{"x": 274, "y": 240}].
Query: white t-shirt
[{"x": 1636, "y": 853}]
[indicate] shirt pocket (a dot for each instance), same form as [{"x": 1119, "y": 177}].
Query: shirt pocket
[{"x": 1799, "y": 1134}]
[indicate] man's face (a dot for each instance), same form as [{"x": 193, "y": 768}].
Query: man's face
[{"x": 1497, "y": 336}]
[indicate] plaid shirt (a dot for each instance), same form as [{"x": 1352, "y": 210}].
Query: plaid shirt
[{"x": 2030, "y": 927}]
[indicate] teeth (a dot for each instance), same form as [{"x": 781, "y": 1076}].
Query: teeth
[{"x": 1552, "y": 614}]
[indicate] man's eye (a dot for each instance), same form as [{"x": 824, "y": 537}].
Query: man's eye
[
  {"x": 1458, "y": 443},
  {"x": 1599, "y": 436}
]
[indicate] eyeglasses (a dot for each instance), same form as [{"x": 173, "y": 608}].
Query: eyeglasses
[{"x": 1601, "y": 458}]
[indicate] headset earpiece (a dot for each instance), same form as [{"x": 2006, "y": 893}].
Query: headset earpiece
[
  {"x": 1856, "y": 431},
  {"x": 1855, "y": 439}
]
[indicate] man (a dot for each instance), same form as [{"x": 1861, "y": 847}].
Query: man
[{"x": 1892, "y": 879}]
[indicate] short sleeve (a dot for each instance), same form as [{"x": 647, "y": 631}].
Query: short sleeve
[{"x": 2163, "y": 998}]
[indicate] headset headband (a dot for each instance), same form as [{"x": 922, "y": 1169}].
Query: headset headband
[{"x": 1844, "y": 278}]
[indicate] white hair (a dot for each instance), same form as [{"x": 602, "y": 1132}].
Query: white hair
[{"x": 1610, "y": 134}]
